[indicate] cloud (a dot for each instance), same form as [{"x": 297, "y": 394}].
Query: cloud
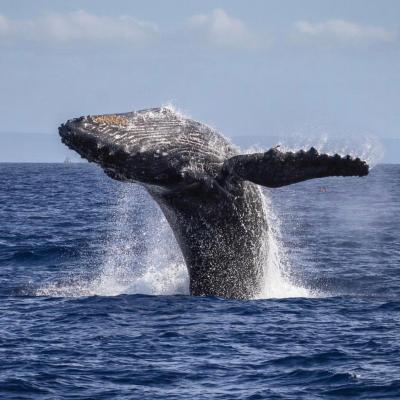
[
  {"x": 341, "y": 31},
  {"x": 214, "y": 29},
  {"x": 77, "y": 26},
  {"x": 221, "y": 30}
]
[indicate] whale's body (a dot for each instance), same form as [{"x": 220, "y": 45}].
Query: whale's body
[{"x": 207, "y": 191}]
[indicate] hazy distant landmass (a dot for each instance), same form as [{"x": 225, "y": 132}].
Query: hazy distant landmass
[{"x": 39, "y": 147}]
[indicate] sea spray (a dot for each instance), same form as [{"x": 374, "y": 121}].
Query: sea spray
[
  {"x": 366, "y": 147},
  {"x": 278, "y": 280},
  {"x": 159, "y": 268},
  {"x": 142, "y": 255}
]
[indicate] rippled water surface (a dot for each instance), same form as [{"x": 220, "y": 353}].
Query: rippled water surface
[{"x": 94, "y": 297}]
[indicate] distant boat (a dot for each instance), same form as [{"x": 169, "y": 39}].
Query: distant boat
[{"x": 67, "y": 160}]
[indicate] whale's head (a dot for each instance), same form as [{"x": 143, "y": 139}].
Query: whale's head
[
  {"x": 96, "y": 137},
  {"x": 157, "y": 146},
  {"x": 99, "y": 139}
]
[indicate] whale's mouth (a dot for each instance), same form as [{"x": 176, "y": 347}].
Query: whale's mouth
[
  {"x": 75, "y": 136},
  {"x": 85, "y": 136},
  {"x": 124, "y": 151},
  {"x": 79, "y": 135}
]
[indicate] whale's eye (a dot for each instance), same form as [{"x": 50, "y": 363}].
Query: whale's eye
[{"x": 110, "y": 120}]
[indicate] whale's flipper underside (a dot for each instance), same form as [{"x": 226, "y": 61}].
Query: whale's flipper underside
[{"x": 275, "y": 168}]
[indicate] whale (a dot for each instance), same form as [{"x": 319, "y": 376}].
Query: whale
[{"x": 209, "y": 192}]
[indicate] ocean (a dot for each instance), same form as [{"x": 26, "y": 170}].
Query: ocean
[{"x": 95, "y": 305}]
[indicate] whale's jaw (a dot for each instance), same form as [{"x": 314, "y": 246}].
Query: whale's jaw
[{"x": 91, "y": 143}]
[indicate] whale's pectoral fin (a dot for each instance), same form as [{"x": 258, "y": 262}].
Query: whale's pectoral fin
[{"x": 275, "y": 168}]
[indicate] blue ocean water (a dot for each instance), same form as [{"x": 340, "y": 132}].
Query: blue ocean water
[{"x": 94, "y": 300}]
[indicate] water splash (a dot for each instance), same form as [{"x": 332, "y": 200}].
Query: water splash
[
  {"x": 140, "y": 254},
  {"x": 279, "y": 282},
  {"x": 160, "y": 268},
  {"x": 366, "y": 147}
]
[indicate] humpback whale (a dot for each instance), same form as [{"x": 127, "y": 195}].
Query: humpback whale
[{"x": 208, "y": 191}]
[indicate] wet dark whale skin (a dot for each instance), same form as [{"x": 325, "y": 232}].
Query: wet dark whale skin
[
  {"x": 207, "y": 191},
  {"x": 221, "y": 237}
]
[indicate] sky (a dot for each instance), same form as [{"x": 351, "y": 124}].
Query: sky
[{"x": 261, "y": 72}]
